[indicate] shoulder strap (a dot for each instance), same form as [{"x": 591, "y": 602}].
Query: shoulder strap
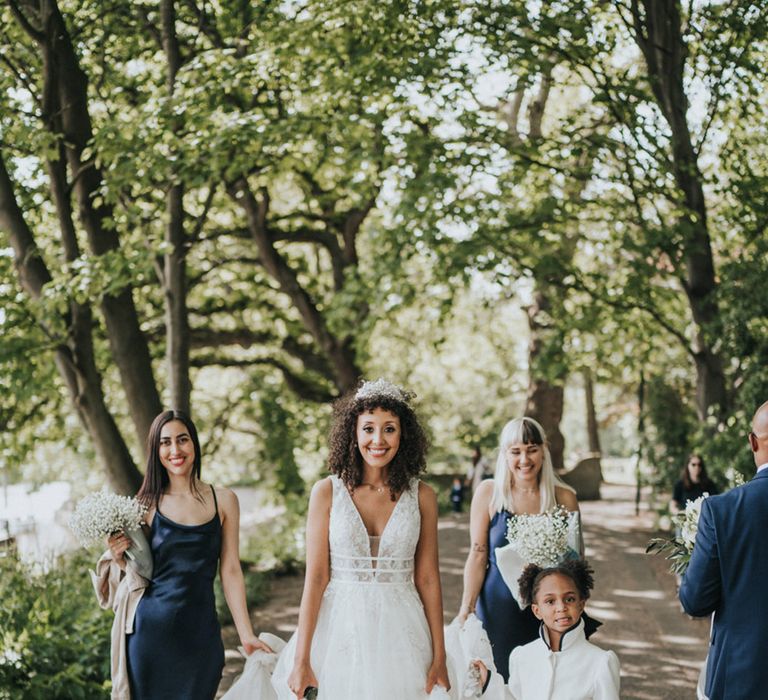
[{"x": 215, "y": 502}]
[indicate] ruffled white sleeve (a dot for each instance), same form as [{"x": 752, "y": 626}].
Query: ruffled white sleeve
[{"x": 607, "y": 678}]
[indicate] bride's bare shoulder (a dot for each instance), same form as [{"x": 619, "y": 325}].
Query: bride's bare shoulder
[{"x": 322, "y": 490}]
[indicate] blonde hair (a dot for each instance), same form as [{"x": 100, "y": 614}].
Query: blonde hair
[{"x": 527, "y": 431}]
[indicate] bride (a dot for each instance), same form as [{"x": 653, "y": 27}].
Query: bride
[{"x": 371, "y": 615}]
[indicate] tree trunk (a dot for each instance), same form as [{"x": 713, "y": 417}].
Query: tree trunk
[
  {"x": 658, "y": 32},
  {"x": 175, "y": 269},
  {"x": 74, "y": 356},
  {"x": 544, "y": 401},
  {"x": 175, "y": 291},
  {"x": 589, "y": 393},
  {"x": 65, "y": 79}
]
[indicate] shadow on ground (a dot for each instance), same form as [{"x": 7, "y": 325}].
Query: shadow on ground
[{"x": 660, "y": 649}]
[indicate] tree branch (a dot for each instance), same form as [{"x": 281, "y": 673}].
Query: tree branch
[
  {"x": 206, "y": 337},
  {"x": 346, "y": 373},
  {"x": 205, "y": 26},
  {"x": 37, "y": 34},
  {"x": 301, "y": 386},
  {"x": 538, "y": 105},
  {"x": 619, "y": 303},
  {"x": 215, "y": 265},
  {"x": 200, "y": 220}
]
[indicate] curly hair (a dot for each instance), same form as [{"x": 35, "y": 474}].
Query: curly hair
[
  {"x": 344, "y": 458},
  {"x": 578, "y": 570}
]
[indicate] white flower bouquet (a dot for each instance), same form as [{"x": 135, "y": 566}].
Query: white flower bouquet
[
  {"x": 101, "y": 514},
  {"x": 541, "y": 538},
  {"x": 544, "y": 539},
  {"x": 678, "y": 549}
]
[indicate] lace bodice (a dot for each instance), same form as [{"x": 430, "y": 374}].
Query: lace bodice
[{"x": 351, "y": 558}]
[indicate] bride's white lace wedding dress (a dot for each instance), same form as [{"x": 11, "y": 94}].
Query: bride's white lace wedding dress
[{"x": 372, "y": 640}]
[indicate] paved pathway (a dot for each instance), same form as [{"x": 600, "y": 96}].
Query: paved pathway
[{"x": 660, "y": 649}]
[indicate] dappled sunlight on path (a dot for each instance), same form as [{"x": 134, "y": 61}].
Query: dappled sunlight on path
[{"x": 661, "y": 649}]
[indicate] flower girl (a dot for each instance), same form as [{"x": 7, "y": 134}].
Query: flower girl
[{"x": 561, "y": 664}]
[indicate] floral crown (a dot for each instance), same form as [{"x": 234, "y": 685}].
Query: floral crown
[{"x": 382, "y": 388}]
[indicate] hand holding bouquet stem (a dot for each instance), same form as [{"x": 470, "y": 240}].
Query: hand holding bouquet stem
[
  {"x": 120, "y": 544},
  {"x": 678, "y": 549},
  {"x": 117, "y": 519}
]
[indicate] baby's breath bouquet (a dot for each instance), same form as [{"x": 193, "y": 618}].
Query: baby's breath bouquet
[
  {"x": 540, "y": 538},
  {"x": 544, "y": 539},
  {"x": 680, "y": 547},
  {"x": 101, "y": 514}
]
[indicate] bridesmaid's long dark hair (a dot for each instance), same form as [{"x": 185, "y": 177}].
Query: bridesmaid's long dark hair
[{"x": 156, "y": 477}]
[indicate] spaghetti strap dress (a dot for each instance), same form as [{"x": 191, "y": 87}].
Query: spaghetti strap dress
[
  {"x": 506, "y": 624},
  {"x": 175, "y": 650}
]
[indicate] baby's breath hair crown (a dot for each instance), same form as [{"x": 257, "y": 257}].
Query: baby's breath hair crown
[{"x": 382, "y": 388}]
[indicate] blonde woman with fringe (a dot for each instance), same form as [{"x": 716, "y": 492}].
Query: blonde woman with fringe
[{"x": 524, "y": 483}]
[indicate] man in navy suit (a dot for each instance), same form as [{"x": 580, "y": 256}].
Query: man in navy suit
[{"x": 728, "y": 575}]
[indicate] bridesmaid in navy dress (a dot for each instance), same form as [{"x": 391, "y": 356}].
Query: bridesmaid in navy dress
[
  {"x": 175, "y": 650},
  {"x": 525, "y": 482}
]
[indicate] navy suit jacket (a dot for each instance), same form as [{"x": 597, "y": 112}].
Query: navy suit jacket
[{"x": 728, "y": 575}]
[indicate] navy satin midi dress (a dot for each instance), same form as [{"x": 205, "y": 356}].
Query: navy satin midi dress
[
  {"x": 506, "y": 624},
  {"x": 175, "y": 650}
]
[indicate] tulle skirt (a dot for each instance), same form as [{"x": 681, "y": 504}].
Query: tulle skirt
[{"x": 371, "y": 642}]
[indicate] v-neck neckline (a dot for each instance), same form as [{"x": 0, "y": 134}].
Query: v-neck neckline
[{"x": 368, "y": 535}]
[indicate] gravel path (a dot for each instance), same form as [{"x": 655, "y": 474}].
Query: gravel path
[{"x": 660, "y": 649}]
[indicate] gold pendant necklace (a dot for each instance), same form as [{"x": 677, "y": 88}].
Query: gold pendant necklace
[{"x": 373, "y": 487}]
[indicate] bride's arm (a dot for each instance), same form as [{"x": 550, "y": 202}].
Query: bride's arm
[
  {"x": 315, "y": 582},
  {"x": 426, "y": 576},
  {"x": 477, "y": 559}
]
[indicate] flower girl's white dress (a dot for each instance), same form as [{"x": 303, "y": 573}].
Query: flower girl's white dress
[{"x": 372, "y": 640}]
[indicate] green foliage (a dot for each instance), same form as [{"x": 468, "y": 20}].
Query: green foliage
[
  {"x": 256, "y": 592},
  {"x": 27, "y": 409},
  {"x": 292, "y": 102},
  {"x": 589, "y": 208},
  {"x": 673, "y": 433},
  {"x": 678, "y": 554},
  {"x": 412, "y": 206},
  {"x": 278, "y": 544},
  {"x": 54, "y": 638},
  {"x": 725, "y": 448},
  {"x": 278, "y": 450}
]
